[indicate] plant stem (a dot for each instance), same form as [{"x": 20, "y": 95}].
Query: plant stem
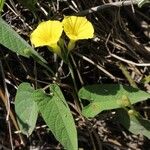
[
  {"x": 77, "y": 100},
  {"x": 127, "y": 75}
]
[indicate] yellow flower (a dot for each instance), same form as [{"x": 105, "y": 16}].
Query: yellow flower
[
  {"x": 77, "y": 28},
  {"x": 47, "y": 34}
]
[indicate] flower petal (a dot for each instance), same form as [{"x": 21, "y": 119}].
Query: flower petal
[
  {"x": 77, "y": 28},
  {"x": 47, "y": 33}
]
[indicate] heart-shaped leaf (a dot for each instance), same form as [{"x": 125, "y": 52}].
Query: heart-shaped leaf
[
  {"x": 109, "y": 96},
  {"x": 26, "y": 108},
  {"x": 57, "y": 116}
]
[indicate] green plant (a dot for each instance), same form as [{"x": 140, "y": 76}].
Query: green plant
[
  {"x": 1, "y": 5},
  {"x": 116, "y": 96},
  {"x": 53, "y": 106}
]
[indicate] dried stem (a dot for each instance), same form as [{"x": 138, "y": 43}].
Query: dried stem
[{"x": 109, "y": 5}]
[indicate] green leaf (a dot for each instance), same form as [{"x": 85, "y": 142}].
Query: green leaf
[
  {"x": 57, "y": 116},
  {"x": 26, "y": 108},
  {"x": 11, "y": 39},
  {"x": 139, "y": 125},
  {"x": 1, "y": 5},
  {"x": 134, "y": 123},
  {"x": 142, "y": 2},
  {"x": 146, "y": 79},
  {"x": 109, "y": 96}
]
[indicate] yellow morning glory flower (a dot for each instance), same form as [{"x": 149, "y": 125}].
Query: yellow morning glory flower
[
  {"x": 77, "y": 28},
  {"x": 47, "y": 34}
]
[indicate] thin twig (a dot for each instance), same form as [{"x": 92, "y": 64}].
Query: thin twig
[
  {"x": 78, "y": 72},
  {"x": 7, "y": 104},
  {"x": 36, "y": 128},
  {"x": 75, "y": 91},
  {"x": 10, "y": 134},
  {"x": 130, "y": 62},
  {"x": 101, "y": 7},
  {"x": 96, "y": 65},
  {"x": 42, "y": 9},
  {"x": 2, "y": 147},
  {"x": 15, "y": 11},
  {"x": 132, "y": 7},
  {"x": 5, "y": 99}
]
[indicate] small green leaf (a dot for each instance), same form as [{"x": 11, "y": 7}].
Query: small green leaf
[
  {"x": 57, "y": 116},
  {"x": 109, "y": 96},
  {"x": 134, "y": 123},
  {"x": 1, "y": 5},
  {"x": 26, "y": 108},
  {"x": 146, "y": 80},
  {"x": 11, "y": 39},
  {"x": 138, "y": 125}
]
